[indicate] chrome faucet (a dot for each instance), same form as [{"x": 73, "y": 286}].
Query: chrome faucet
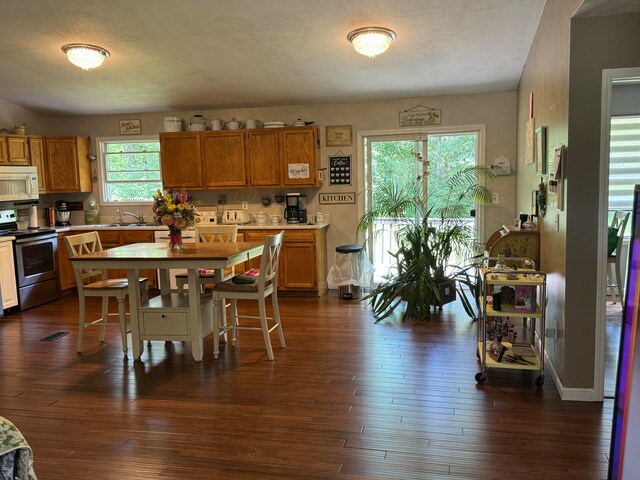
[
  {"x": 119, "y": 215},
  {"x": 138, "y": 216}
]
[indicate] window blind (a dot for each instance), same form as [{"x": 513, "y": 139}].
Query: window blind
[{"x": 624, "y": 163}]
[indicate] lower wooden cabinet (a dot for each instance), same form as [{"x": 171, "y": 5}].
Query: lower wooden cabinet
[
  {"x": 303, "y": 259},
  {"x": 7, "y": 276},
  {"x": 109, "y": 239}
]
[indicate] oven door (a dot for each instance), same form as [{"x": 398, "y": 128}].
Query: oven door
[{"x": 36, "y": 259}]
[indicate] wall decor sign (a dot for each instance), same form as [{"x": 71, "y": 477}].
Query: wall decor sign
[
  {"x": 419, "y": 116},
  {"x": 340, "y": 170},
  {"x": 336, "y": 198},
  {"x": 338, "y": 136},
  {"x": 541, "y": 149},
  {"x": 529, "y": 152},
  {"x": 129, "y": 127},
  {"x": 298, "y": 170}
]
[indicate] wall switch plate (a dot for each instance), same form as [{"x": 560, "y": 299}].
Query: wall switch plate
[
  {"x": 557, "y": 222},
  {"x": 496, "y": 198},
  {"x": 245, "y": 205}
]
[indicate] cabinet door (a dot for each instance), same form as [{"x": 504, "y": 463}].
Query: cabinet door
[
  {"x": 263, "y": 155},
  {"x": 181, "y": 160},
  {"x": 36, "y": 157},
  {"x": 17, "y": 150},
  {"x": 224, "y": 160},
  {"x": 4, "y": 154},
  {"x": 298, "y": 265},
  {"x": 67, "y": 166},
  {"x": 299, "y": 152},
  {"x": 8, "y": 276}
]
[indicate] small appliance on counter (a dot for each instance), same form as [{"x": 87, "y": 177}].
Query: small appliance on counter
[
  {"x": 236, "y": 217},
  {"x": 62, "y": 213},
  {"x": 207, "y": 217},
  {"x": 296, "y": 209}
]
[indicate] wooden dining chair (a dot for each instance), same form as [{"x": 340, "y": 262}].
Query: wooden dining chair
[
  {"x": 263, "y": 285},
  {"x": 614, "y": 258},
  {"x": 208, "y": 234},
  {"x": 96, "y": 283}
]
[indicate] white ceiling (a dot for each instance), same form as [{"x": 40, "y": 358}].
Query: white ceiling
[{"x": 206, "y": 54}]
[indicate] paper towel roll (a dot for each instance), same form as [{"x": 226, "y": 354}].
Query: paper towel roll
[{"x": 33, "y": 216}]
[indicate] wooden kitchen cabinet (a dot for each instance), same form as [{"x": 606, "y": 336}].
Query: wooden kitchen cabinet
[
  {"x": 108, "y": 239},
  {"x": 8, "y": 276},
  {"x": 223, "y": 159},
  {"x": 299, "y": 150},
  {"x": 14, "y": 150},
  {"x": 263, "y": 157},
  {"x": 181, "y": 160},
  {"x": 36, "y": 159},
  {"x": 303, "y": 259},
  {"x": 68, "y": 169}
]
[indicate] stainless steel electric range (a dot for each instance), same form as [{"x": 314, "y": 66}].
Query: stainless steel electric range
[{"x": 35, "y": 253}]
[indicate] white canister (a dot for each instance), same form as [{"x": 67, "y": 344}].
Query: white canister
[
  {"x": 251, "y": 123},
  {"x": 320, "y": 217},
  {"x": 216, "y": 124},
  {"x": 275, "y": 218},
  {"x": 172, "y": 124}
]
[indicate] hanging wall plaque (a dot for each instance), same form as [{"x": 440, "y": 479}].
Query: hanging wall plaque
[
  {"x": 340, "y": 170},
  {"x": 419, "y": 116}
]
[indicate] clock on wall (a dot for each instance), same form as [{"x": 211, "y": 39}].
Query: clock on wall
[{"x": 338, "y": 136}]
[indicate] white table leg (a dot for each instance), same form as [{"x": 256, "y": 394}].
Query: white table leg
[
  {"x": 194, "y": 314},
  {"x": 134, "y": 303}
]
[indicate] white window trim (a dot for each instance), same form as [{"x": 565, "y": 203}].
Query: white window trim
[{"x": 102, "y": 174}]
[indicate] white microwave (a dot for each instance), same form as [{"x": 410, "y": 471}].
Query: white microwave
[{"x": 18, "y": 183}]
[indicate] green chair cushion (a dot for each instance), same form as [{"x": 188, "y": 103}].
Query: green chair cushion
[{"x": 612, "y": 240}]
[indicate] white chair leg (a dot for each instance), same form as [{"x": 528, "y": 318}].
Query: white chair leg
[
  {"x": 233, "y": 311},
  {"x": 122, "y": 316},
  {"x": 276, "y": 317},
  {"x": 105, "y": 317},
  {"x": 265, "y": 327},
  {"x": 216, "y": 327},
  {"x": 81, "y": 321},
  {"x": 619, "y": 282},
  {"x": 610, "y": 281}
]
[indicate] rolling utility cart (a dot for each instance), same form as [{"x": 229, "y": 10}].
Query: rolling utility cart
[{"x": 511, "y": 294}]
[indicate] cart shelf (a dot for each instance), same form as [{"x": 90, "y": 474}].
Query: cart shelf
[{"x": 491, "y": 363}]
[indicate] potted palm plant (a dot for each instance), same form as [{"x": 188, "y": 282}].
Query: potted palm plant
[{"x": 431, "y": 231}]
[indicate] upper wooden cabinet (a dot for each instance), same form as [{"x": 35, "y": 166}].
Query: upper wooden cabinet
[
  {"x": 68, "y": 169},
  {"x": 181, "y": 160},
  {"x": 299, "y": 151},
  {"x": 36, "y": 159},
  {"x": 223, "y": 164},
  {"x": 14, "y": 150},
  {"x": 239, "y": 158},
  {"x": 263, "y": 156}
]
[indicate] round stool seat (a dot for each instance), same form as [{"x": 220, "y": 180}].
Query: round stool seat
[{"x": 348, "y": 248}]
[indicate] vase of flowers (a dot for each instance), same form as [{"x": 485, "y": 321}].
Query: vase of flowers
[{"x": 176, "y": 210}]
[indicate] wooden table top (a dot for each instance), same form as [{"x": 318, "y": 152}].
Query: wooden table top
[{"x": 161, "y": 251}]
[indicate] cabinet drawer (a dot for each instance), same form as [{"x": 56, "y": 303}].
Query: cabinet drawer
[
  {"x": 136, "y": 237},
  {"x": 164, "y": 323},
  {"x": 299, "y": 236},
  {"x": 109, "y": 237}
]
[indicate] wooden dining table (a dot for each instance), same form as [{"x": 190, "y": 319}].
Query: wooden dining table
[{"x": 188, "y": 316}]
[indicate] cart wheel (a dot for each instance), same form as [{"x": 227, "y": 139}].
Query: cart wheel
[
  {"x": 481, "y": 377},
  {"x": 539, "y": 380}
]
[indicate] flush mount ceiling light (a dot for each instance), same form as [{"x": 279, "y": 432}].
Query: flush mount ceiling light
[
  {"x": 84, "y": 55},
  {"x": 371, "y": 41}
]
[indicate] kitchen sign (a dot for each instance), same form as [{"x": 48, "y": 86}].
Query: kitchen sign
[
  {"x": 420, "y": 116},
  {"x": 337, "y": 198},
  {"x": 129, "y": 127}
]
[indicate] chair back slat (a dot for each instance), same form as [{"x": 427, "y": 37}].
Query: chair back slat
[
  {"x": 82, "y": 244},
  {"x": 270, "y": 259},
  {"x": 216, "y": 233}
]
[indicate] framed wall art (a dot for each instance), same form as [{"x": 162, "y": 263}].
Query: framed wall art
[
  {"x": 541, "y": 149},
  {"x": 129, "y": 127},
  {"x": 338, "y": 136}
]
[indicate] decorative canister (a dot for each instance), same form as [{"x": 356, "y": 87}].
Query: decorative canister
[{"x": 172, "y": 124}]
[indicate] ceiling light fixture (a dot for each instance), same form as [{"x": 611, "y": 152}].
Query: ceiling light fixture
[
  {"x": 84, "y": 55},
  {"x": 371, "y": 41}
]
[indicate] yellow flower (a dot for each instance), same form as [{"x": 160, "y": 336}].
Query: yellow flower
[
  {"x": 181, "y": 207},
  {"x": 171, "y": 207}
]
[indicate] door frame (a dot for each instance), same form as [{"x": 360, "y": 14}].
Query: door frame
[
  {"x": 609, "y": 76},
  {"x": 479, "y": 129}
]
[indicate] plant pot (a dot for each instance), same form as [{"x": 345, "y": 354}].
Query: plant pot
[{"x": 447, "y": 290}]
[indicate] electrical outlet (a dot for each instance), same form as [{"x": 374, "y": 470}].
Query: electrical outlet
[{"x": 245, "y": 205}]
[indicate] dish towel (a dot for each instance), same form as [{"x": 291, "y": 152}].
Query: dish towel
[{"x": 16, "y": 457}]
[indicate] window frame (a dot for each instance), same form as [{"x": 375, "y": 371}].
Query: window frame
[{"x": 100, "y": 147}]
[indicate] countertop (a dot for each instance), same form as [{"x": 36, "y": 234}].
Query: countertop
[
  {"x": 6, "y": 239},
  {"x": 246, "y": 226}
]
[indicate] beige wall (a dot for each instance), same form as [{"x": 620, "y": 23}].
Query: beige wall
[
  {"x": 564, "y": 72},
  {"x": 496, "y": 111},
  {"x": 546, "y": 76}
]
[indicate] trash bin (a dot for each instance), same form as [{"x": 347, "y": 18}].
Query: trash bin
[{"x": 351, "y": 271}]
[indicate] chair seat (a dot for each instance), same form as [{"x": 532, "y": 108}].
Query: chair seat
[
  {"x": 111, "y": 284},
  {"x": 229, "y": 286}
]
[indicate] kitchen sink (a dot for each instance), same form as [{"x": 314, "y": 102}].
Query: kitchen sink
[{"x": 127, "y": 224}]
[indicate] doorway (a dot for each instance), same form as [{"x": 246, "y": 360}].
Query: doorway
[{"x": 422, "y": 161}]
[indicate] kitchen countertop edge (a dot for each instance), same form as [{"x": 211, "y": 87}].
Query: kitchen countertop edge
[{"x": 246, "y": 226}]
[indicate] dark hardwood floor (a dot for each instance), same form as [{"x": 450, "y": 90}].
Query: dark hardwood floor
[{"x": 347, "y": 399}]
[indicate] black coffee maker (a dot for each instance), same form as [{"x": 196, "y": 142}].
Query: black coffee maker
[{"x": 296, "y": 209}]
